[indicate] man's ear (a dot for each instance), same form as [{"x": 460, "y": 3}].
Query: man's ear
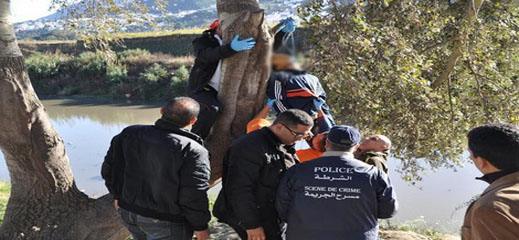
[
  {"x": 355, "y": 147},
  {"x": 162, "y": 111},
  {"x": 481, "y": 162},
  {"x": 193, "y": 121}
]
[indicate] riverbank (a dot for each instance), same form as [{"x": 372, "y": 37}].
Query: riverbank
[
  {"x": 130, "y": 74},
  {"x": 220, "y": 231}
]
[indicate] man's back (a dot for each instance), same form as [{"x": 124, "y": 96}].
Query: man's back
[
  {"x": 334, "y": 197},
  {"x": 147, "y": 167},
  {"x": 495, "y": 215}
]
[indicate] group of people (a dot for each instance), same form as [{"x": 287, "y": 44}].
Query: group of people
[{"x": 338, "y": 188}]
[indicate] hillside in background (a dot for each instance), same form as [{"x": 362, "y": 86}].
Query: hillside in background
[{"x": 179, "y": 14}]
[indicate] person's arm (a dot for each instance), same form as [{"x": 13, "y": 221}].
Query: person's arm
[
  {"x": 285, "y": 194},
  {"x": 279, "y": 31},
  {"x": 204, "y": 53},
  {"x": 112, "y": 165},
  {"x": 386, "y": 196},
  {"x": 243, "y": 173},
  {"x": 493, "y": 223},
  {"x": 264, "y": 112},
  {"x": 275, "y": 91},
  {"x": 194, "y": 183}
]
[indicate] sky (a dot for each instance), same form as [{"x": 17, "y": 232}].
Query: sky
[{"x": 23, "y": 10}]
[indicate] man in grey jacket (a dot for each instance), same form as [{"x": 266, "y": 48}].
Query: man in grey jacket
[{"x": 335, "y": 196}]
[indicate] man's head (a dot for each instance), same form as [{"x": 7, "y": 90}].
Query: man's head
[
  {"x": 342, "y": 138},
  {"x": 319, "y": 142},
  {"x": 181, "y": 111},
  {"x": 292, "y": 125},
  {"x": 494, "y": 147},
  {"x": 281, "y": 62},
  {"x": 377, "y": 143}
]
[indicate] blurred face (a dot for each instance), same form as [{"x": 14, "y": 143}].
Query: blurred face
[
  {"x": 219, "y": 31},
  {"x": 289, "y": 136},
  {"x": 373, "y": 143},
  {"x": 319, "y": 141}
]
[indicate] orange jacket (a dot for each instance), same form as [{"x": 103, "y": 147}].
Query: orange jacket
[{"x": 308, "y": 154}]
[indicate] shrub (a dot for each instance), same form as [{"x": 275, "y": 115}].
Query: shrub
[
  {"x": 182, "y": 73},
  {"x": 44, "y": 65},
  {"x": 132, "y": 53},
  {"x": 91, "y": 64},
  {"x": 177, "y": 86},
  {"x": 154, "y": 73},
  {"x": 5, "y": 192},
  {"x": 115, "y": 74}
]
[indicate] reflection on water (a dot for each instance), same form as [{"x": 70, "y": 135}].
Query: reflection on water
[{"x": 87, "y": 126}]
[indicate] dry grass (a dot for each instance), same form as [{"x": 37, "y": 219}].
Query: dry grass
[{"x": 141, "y": 62}]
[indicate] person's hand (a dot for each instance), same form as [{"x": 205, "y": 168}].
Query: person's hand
[
  {"x": 116, "y": 204},
  {"x": 271, "y": 102},
  {"x": 289, "y": 25},
  {"x": 318, "y": 103},
  {"x": 256, "y": 234},
  {"x": 242, "y": 45},
  {"x": 202, "y": 235}
]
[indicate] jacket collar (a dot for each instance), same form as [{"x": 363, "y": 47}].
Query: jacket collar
[
  {"x": 338, "y": 154},
  {"x": 172, "y": 128},
  {"x": 364, "y": 155},
  {"x": 511, "y": 178},
  {"x": 274, "y": 140},
  {"x": 491, "y": 177},
  {"x": 210, "y": 34}
]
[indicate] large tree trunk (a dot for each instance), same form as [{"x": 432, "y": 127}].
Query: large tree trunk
[
  {"x": 245, "y": 76},
  {"x": 45, "y": 202}
]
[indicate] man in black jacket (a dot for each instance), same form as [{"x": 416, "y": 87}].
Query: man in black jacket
[
  {"x": 205, "y": 77},
  {"x": 158, "y": 175},
  {"x": 252, "y": 169}
]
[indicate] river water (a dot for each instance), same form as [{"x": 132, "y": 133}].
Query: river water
[{"x": 87, "y": 126}]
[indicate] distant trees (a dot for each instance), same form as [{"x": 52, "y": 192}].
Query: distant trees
[{"x": 422, "y": 72}]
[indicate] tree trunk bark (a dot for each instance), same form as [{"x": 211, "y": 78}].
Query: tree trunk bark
[
  {"x": 244, "y": 79},
  {"x": 45, "y": 202}
]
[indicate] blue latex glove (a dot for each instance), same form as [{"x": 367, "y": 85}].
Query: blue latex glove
[
  {"x": 318, "y": 103},
  {"x": 271, "y": 102},
  {"x": 289, "y": 25},
  {"x": 242, "y": 45}
]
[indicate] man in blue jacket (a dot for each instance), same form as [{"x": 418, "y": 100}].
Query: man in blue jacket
[{"x": 335, "y": 196}]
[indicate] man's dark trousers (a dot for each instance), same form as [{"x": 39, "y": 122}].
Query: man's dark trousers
[
  {"x": 209, "y": 109},
  {"x": 145, "y": 228}
]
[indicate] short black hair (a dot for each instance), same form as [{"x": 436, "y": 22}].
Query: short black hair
[
  {"x": 339, "y": 147},
  {"x": 181, "y": 110},
  {"x": 498, "y": 143},
  {"x": 293, "y": 117}
]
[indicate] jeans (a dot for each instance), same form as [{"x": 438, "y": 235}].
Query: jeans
[{"x": 145, "y": 228}]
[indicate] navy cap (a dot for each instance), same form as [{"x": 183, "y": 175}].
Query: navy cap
[{"x": 344, "y": 135}]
